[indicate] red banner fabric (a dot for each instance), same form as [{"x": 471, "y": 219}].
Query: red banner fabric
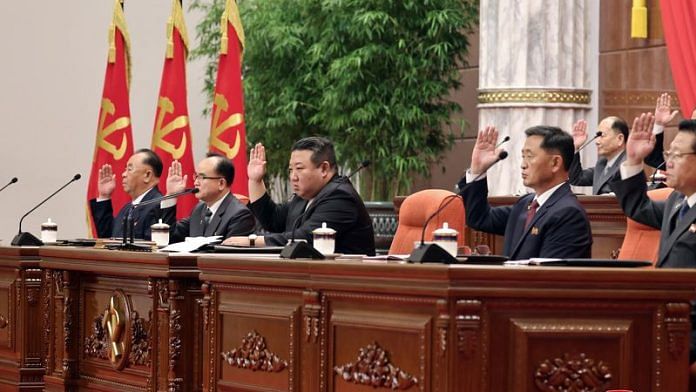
[
  {"x": 679, "y": 24},
  {"x": 114, "y": 142},
  {"x": 171, "y": 138},
  {"x": 227, "y": 130}
]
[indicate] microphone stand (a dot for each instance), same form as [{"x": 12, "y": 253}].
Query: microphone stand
[
  {"x": 299, "y": 249},
  {"x": 128, "y": 242},
  {"x": 26, "y": 238},
  {"x": 12, "y": 181}
]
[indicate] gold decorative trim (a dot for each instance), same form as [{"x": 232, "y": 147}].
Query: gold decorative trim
[
  {"x": 231, "y": 14},
  {"x": 176, "y": 21},
  {"x": 582, "y": 97},
  {"x": 118, "y": 21},
  {"x": 635, "y": 98}
]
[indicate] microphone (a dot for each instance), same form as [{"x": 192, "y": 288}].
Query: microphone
[
  {"x": 433, "y": 253},
  {"x": 598, "y": 134},
  {"x": 300, "y": 249},
  {"x": 505, "y": 140},
  {"x": 128, "y": 222},
  {"x": 653, "y": 184},
  {"x": 363, "y": 165},
  {"x": 12, "y": 181},
  {"x": 24, "y": 238}
]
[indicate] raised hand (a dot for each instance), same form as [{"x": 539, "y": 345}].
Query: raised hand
[
  {"x": 256, "y": 168},
  {"x": 107, "y": 182},
  {"x": 663, "y": 106},
  {"x": 579, "y": 134},
  {"x": 175, "y": 181},
  {"x": 641, "y": 140},
  {"x": 485, "y": 152}
]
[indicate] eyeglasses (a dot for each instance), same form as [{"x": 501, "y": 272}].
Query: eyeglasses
[
  {"x": 670, "y": 156},
  {"x": 201, "y": 176}
]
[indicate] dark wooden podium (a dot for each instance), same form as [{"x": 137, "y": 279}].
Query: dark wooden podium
[
  {"x": 279, "y": 325},
  {"x": 21, "y": 347},
  {"x": 143, "y": 305}
]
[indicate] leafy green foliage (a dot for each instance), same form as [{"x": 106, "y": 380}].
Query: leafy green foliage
[{"x": 373, "y": 75}]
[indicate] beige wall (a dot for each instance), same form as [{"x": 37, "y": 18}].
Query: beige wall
[{"x": 53, "y": 63}]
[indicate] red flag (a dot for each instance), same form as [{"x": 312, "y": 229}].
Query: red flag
[
  {"x": 114, "y": 144},
  {"x": 171, "y": 138},
  {"x": 227, "y": 130}
]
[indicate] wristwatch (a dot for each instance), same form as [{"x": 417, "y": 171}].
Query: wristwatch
[{"x": 252, "y": 240}]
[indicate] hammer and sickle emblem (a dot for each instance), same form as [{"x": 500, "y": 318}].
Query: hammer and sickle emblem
[
  {"x": 114, "y": 323},
  {"x": 166, "y": 106},
  {"x": 232, "y": 121},
  {"x": 108, "y": 108}
]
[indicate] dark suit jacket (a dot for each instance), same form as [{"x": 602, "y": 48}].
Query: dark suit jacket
[
  {"x": 678, "y": 246},
  {"x": 337, "y": 204},
  {"x": 559, "y": 229},
  {"x": 599, "y": 180},
  {"x": 231, "y": 218},
  {"x": 142, "y": 217}
]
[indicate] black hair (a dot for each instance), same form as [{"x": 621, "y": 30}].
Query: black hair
[
  {"x": 321, "y": 147},
  {"x": 152, "y": 160},
  {"x": 555, "y": 140},
  {"x": 690, "y": 127},
  {"x": 224, "y": 167},
  {"x": 620, "y": 126}
]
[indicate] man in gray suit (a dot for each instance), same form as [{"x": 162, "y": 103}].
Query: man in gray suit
[
  {"x": 218, "y": 213},
  {"x": 676, "y": 216},
  {"x": 611, "y": 148}
]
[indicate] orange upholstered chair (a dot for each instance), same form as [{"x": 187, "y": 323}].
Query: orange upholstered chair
[
  {"x": 642, "y": 242},
  {"x": 242, "y": 198},
  {"x": 414, "y": 211}
]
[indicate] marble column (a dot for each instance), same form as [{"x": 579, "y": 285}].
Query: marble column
[{"x": 536, "y": 62}]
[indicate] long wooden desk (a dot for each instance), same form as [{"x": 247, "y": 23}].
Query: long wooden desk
[
  {"x": 278, "y": 325},
  {"x": 263, "y": 324}
]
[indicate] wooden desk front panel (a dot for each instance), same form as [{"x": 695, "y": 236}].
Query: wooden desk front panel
[
  {"x": 439, "y": 328},
  {"x": 21, "y": 346}
]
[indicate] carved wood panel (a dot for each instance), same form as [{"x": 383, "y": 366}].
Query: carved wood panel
[{"x": 259, "y": 337}]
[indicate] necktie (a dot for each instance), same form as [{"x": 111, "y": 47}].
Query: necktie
[
  {"x": 531, "y": 211},
  {"x": 206, "y": 219},
  {"x": 676, "y": 218}
]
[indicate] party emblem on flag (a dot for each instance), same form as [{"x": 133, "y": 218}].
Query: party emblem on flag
[
  {"x": 164, "y": 107},
  {"x": 108, "y": 109},
  {"x": 221, "y": 105}
]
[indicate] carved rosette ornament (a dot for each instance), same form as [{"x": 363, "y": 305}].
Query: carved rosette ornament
[
  {"x": 572, "y": 373},
  {"x": 373, "y": 368},
  {"x": 254, "y": 355}
]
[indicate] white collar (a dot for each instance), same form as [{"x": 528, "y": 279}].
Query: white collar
[
  {"x": 213, "y": 208},
  {"x": 541, "y": 199},
  {"x": 138, "y": 199}
]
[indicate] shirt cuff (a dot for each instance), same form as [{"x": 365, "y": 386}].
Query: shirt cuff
[
  {"x": 103, "y": 199},
  {"x": 628, "y": 171},
  {"x": 167, "y": 203},
  {"x": 471, "y": 176},
  {"x": 657, "y": 129}
]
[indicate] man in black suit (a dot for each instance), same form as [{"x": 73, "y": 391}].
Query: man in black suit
[
  {"x": 139, "y": 181},
  {"x": 547, "y": 223},
  {"x": 320, "y": 196},
  {"x": 218, "y": 213},
  {"x": 611, "y": 147}
]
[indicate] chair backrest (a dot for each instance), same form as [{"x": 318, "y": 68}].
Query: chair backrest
[
  {"x": 642, "y": 242},
  {"x": 242, "y": 198},
  {"x": 414, "y": 211}
]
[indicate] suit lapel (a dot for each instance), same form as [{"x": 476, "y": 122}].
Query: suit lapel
[
  {"x": 668, "y": 241},
  {"x": 217, "y": 218},
  {"x": 557, "y": 195},
  {"x": 326, "y": 190},
  {"x": 610, "y": 171}
]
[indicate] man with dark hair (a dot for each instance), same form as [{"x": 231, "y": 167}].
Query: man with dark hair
[
  {"x": 611, "y": 146},
  {"x": 139, "y": 181},
  {"x": 320, "y": 196},
  {"x": 547, "y": 223},
  {"x": 218, "y": 213}
]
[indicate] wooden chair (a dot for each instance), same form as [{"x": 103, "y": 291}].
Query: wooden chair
[
  {"x": 416, "y": 209},
  {"x": 642, "y": 242}
]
